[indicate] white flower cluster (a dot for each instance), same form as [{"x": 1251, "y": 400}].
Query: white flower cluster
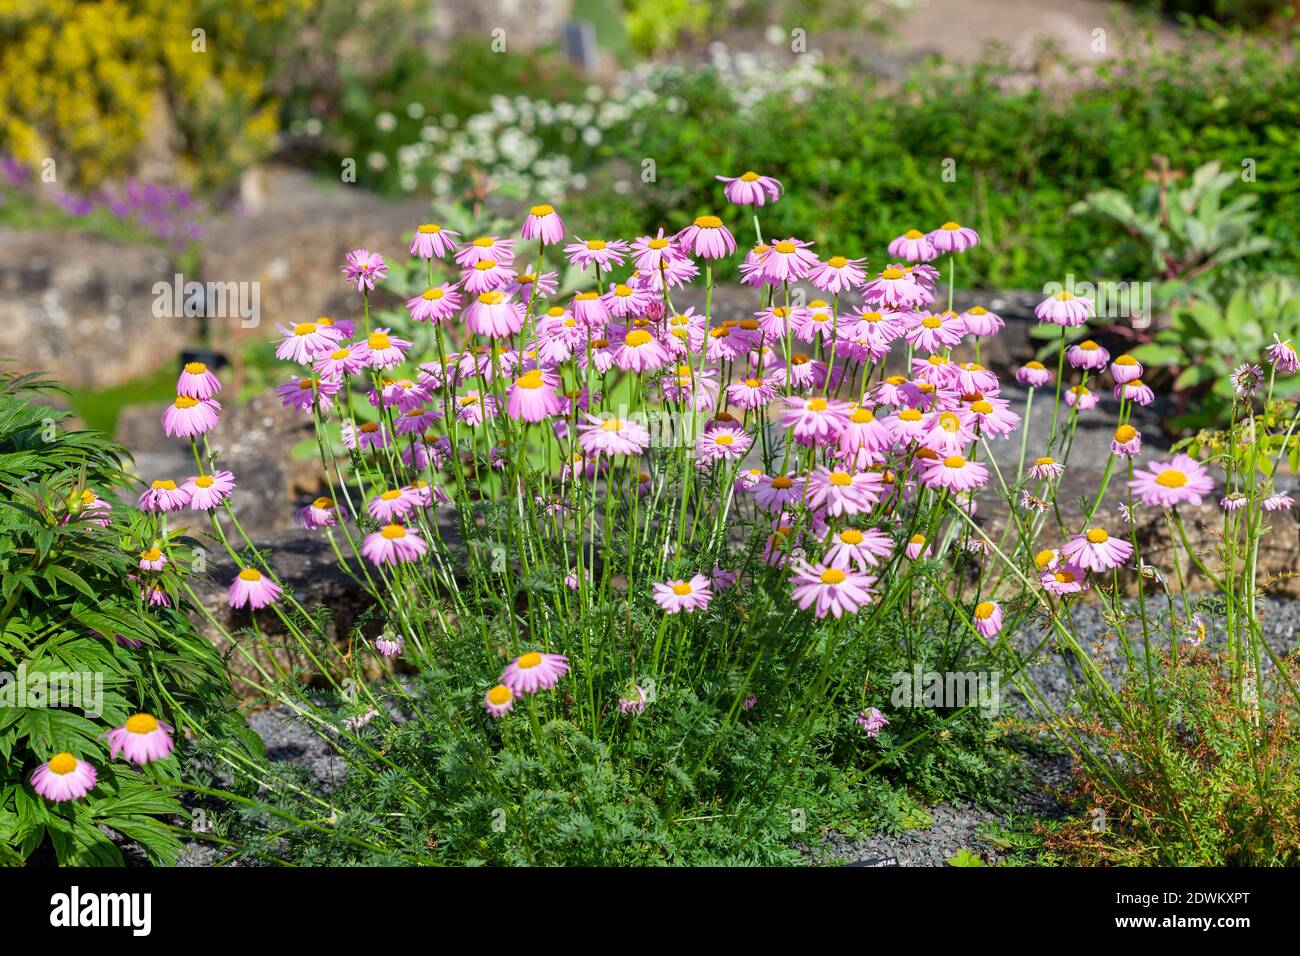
[{"x": 538, "y": 148}]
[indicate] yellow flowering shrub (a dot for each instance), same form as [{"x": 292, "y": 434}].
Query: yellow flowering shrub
[{"x": 83, "y": 80}]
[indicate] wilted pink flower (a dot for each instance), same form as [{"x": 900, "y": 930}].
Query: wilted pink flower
[
  {"x": 1283, "y": 356},
  {"x": 364, "y": 268},
  {"x": 321, "y": 513}
]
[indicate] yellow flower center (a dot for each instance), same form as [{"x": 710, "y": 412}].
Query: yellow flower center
[
  {"x": 1171, "y": 478},
  {"x": 984, "y": 610},
  {"x": 141, "y": 724},
  {"x": 543, "y": 210},
  {"x": 183, "y": 402},
  {"x": 638, "y": 337},
  {"x": 153, "y": 554},
  {"x": 910, "y": 415},
  {"x": 833, "y": 576},
  {"x": 484, "y": 242},
  {"x": 304, "y": 328},
  {"x": 195, "y": 368},
  {"x": 681, "y": 589},
  {"x": 949, "y": 422},
  {"x": 1043, "y": 558},
  {"x": 706, "y": 222},
  {"x": 1125, "y": 433},
  {"x": 1097, "y": 536},
  {"x": 663, "y": 243},
  {"x": 1045, "y": 460},
  {"x": 932, "y": 322},
  {"x": 782, "y": 482},
  {"x": 322, "y": 503},
  {"x": 165, "y": 484},
  {"x": 531, "y": 379},
  {"x": 950, "y": 226},
  {"x": 1035, "y": 365},
  {"x": 393, "y": 532},
  {"x": 430, "y": 229},
  {"x": 785, "y": 247},
  {"x": 433, "y": 295},
  {"x": 954, "y": 461},
  {"x": 837, "y": 262},
  {"x": 892, "y": 274},
  {"x": 851, "y": 536},
  {"x": 978, "y": 310},
  {"x": 250, "y": 574},
  {"x": 981, "y": 407},
  {"x": 863, "y": 416},
  {"x": 1064, "y": 577},
  {"x": 749, "y": 177},
  {"x": 917, "y": 539},
  {"x": 379, "y": 341},
  {"x": 63, "y": 764},
  {"x": 725, "y": 440},
  {"x": 500, "y": 695},
  {"x": 203, "y": 481},
  {"x": 530, "y": 660},
  {"x": 1089, "y": 345},
  {"x": 391, "y": 495},
  {"x": 816, "y": 405}
]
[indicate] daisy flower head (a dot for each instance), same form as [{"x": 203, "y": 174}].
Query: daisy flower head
[
  {"x": 917, "y": 547},
  {"x": 871, "y": 721},
  {"x": 1233, "y": 501},
  {"x": 385, "y": 350},
  {"x": 392, "y": 505},
  {"x": 951, "y": 237},
  {"x": 544, "y": 224},
  {"x": 777, "y": 492},
  {"x": 1278, "y": 501},
  {"x": 499, "y": 701},
  {"x": 1127, "y": 441},
  {"x": 728, "y": 443},
  {"x": 787, "y": 260},
  {"x": 988, "y": 618},
  {"x": 1135, "y": 391},
  {"x": 954, "y": 473},
  {"x": 1247, "y": 378},
  {"x": 431, "y": 241},
  {"x": 1125, "y": 368},
  {"x": 533, "y": 671},
  {"x": 141, "y": 739},
  {"x": 163, "y": 496},
  {"x": 190, "y": 417},
  {"x": 1065, "y": 579},
  {"x": 320, "y": 513},
  {"x": 612, "y": 435},
  {"x": 750, "y": 189},
  {"x": 981, "y": 322},
  {"x": 252, "y": 589},
  {"x": 706, "y": 238},
  {"x": 912, "y": 246},
  {"x": 842, "y": 492},
  {"x": 197, "y": 382},
  {"x": 1166, "y": 484},
  {"x": 1282, "y": 356},
  {"x": 839, "y": 274},
  {"x": 393, "y": 544},
  {"x": 486, "y": 247},
  {"x": 895, "y": 288},
  {"x": 1083, "y": 398},
  {"x": 63, "y": 777},
  {"x": 209, "y": 491},
  {"x": 363, "y": 268},
  {"x": 640, "y": 351},
  {"x": 1087, "y": 354},
  {"x": 863, "y": 549},
  {"x": 303, "y": 393},
  {"x": 152, "y": 560},
  {"x": 816, "y": 421},
  {"x": 830, "y": 590},
  {"x": 602, "y": 254},
  {"x": 934, "y": 333},
  {"x": 1033, "y": 374},
  {"x": 1096, "y": 550},
  {"x": 532, "y": 398},
  {"x": 1065, "y": 309},
  {"x": 1045, "y": 467},
  {"x": 684, "y": 595},
  {"x": 435, "y": 304}
]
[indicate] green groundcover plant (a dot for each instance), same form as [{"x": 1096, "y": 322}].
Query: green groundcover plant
[
  {"x": 88, "y": 656},
  {"x": 648, "y": 585}
]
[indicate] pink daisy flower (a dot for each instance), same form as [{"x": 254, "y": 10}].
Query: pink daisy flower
[
  {"x": 528, "y": 673},
  {"x": 393, "y": 544},
  {"x": 544, "y": 224},
  {"x": 141, "y": 740},
  {"x": 532, "y": 397},
  {"x": 209, "y": 491},
  {"x": 639, "y": 351},
  {"x": 304, "y": 393},
  {"x": 1065, "y": 309},
  {"x": 611, "y": 435},
  {"x": 598, "y": 252},
  {"x": 1087, "y": 354},
  {"x": 1282, "y": 356},
  {"x": 1280, "y": 501},
  {"x": 431, "y": 241},
  {"x": 838, "y": 274},
  {"x": 816, "y": 420},
  {"x": 865, "y": 549},
  {"x": 163, "y": 496},
  {"x": 706, "y": 238},
  {"x": 1034, "y": 374},
  {"x": 955, "y": 473},
  {"x": 917, "y": 547},
  {"x": 253, "y": 589},
  {"x": 1096, "y": 550},
  {"x": 787, "y": 261},
  {"x": 1181, "y": 480},
  {"x": 775, "y": 493},
  {"x": 750, "y": 189},
  {"x": 190, "y": 417},
  {"x": 363, "y": 268},
  {"x": 1082, "y": 397},
  {"x": 1127, "y": 441},
  {"x": 392, "y": 506},
  {"x": 950, "y": 237},
  {"x": 729, "y": 443},
  {"x": 152, "y": 560},
  {"x": 486, "y": 275},
  {"x": 829, "y": 590},
  {"x": 751, "y": 393},
  {"x": 486, "y": 247},
  {"x": 435, "y": 304},
  {"x": 389, "y": 644},
  {"x": 197, "y": 382},
  {"x": 320, "y": 513},
  {"x": 980, "y": 321},
  {"x": 499, "y": 701},
  {"x": 988, "y": 618},
  {"x": 385, "y": 350},
  {"x": 494, "y": 314},
  {"x": 895, "y": 288},
  {"x": 1064, "y": 580},
  {"x": 342, "y": 361},
  {"x": 63, "y": 777},
  {"x": 913, "y": 246},
  {"x": 1125, "y": 368},
  {"x": 677, "y": 596},
  {"x": 934, "y": 333},
  {"x": 1136, "y": 391},
  {"x": 843, "y": 493},
  {"x": 1045, "y": 467}
]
